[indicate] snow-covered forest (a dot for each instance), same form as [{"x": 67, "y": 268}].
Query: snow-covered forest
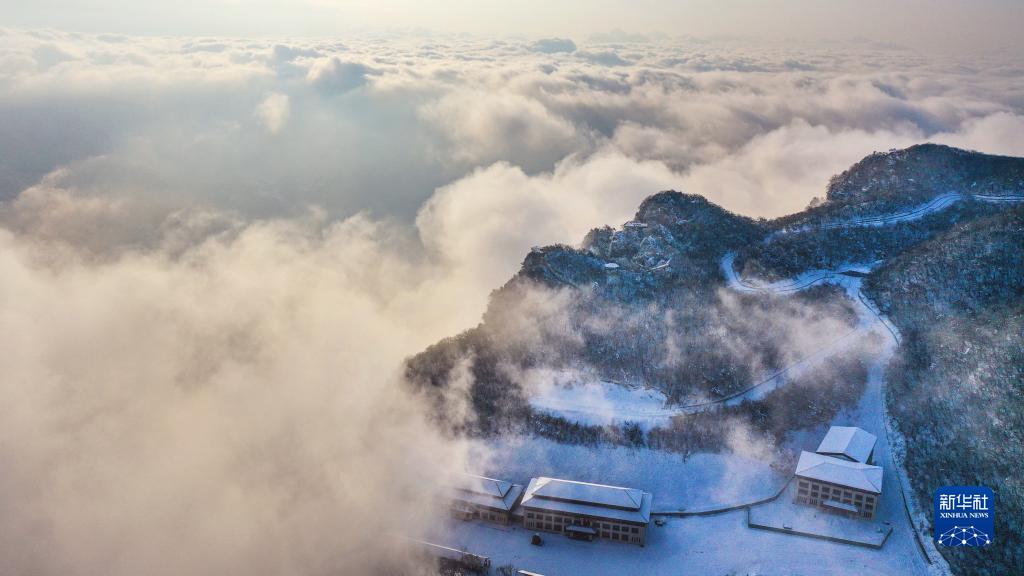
[{"x": 957, "y": 384}]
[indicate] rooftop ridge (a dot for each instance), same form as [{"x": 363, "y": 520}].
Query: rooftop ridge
[{"x": 547, "y": 489}]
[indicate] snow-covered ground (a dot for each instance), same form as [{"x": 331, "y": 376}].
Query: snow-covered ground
[
  {"x": 785, "y": 514},
  {"x": 700, "y": 545},
  {"x": 719, "y": 544},
  {"x": 600, "y": 403},
  {"x": 699, "y": 482}
]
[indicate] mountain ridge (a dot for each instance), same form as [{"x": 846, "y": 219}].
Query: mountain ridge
[{"x": 669, "y": 253}]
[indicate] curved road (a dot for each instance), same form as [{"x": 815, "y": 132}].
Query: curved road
[
  {"x": 934, "y": 205},
  {"x": 871, "y": 412},
  {"x": 898, "y": 504}
]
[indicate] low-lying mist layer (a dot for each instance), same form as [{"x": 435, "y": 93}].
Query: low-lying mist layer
[
  {"x": 234, "y": 408},
  {"x": 693, "y": 346}
]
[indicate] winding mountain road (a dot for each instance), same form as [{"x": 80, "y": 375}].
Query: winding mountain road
[
  {"x": 937, "y": 204},
  {"x": 898, "y": 506},
  {"x": 871, "y": 413}
]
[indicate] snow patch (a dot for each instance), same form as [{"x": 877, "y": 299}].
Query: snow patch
[{"x": 600, "y": 403}]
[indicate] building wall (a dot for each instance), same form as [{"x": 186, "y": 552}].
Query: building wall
[
  {"x": 814, "y": 492},
  {"x": 467, "y": 511},
  {"x": 614, "y": 530}
]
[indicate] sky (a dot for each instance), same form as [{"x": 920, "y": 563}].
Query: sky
[
  {"x": 224, "y": 226},
  {"x": 932, "y": 24}
]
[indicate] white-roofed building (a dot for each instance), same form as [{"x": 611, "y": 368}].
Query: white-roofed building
[
  {"x": 850, "y": 443},
  {"x": 478, "y": 497},
  {"x": 838, "y": 485},
  {"x": 587, "y": 511}
]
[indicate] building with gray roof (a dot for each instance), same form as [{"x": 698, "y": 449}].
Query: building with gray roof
[
  {"x": 850, "y": 443},
  {"x": 839, "y": 477},
  {"x": 482, "y": 498},
  {"x": 586, "y": 511}
]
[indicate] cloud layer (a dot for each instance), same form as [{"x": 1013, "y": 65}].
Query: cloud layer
[
  {"x": 735, "y": 122},
  {"x": 216, "y": 252}
]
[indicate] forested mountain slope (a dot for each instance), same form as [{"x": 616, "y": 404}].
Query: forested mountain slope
[
  {"x": 641, "y": 305},
  {"x": 956, "y": 385},
  {"x": 885, "y": 204}
]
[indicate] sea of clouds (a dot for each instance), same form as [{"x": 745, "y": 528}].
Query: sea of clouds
[{"x": 216, "y": 252}]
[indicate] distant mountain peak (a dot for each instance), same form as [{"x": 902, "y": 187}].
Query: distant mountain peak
[{"x": 925, "y": 170}]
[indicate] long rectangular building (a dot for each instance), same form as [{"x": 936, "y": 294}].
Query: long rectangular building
[{"x": 587, "y": 511}]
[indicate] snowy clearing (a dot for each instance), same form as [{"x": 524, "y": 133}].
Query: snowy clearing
[
  {"x": 707, "y": 545},
  {"x": 601, "y": 403},
  {"x": 784, "y": 514},
  {"x": 699, "y": 482}
]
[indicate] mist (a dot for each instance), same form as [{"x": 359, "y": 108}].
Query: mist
[{"x": 236, "y": 408}]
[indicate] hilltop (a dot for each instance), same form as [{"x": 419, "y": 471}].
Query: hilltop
[{"x": 643, "y": 306}]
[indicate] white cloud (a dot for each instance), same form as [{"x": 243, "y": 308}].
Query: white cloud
[
  {"x": 273, "y": 112},
  {"x": 553, "y": 45},
  {"x": 239, "y": 400},
  {"x": 779, "y": 172},
  {"x": 485, "y": 223},
  {"x": 334, "y": 75},
  {"x": 484, "y": 127},
  {"x": 1000, "y": 133}
]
